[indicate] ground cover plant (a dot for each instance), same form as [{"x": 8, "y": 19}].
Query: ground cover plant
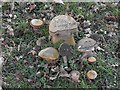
[{"x": 20, "y": 46}]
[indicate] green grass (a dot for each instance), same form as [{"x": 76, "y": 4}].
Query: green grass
[{"x": 26, "y": 38}]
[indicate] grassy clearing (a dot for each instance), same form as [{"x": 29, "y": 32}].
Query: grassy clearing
[{"x": 23, "y": 65}]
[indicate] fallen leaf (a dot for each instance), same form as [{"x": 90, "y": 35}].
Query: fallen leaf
[
  {"x": 41, "y": 41},
  {"x": 75, "y": 76},
  {"x": 19, "y": 76},
  {"x": 33, "y": 52},
  {"x": 53, "y": 78},
  {"x": 38, "y": 73},
  {"x": 63, "y": 73},
  {"x": 58, "y": 1},
  {"x": 13, "y": 43},
  {"x": 31, "y": 7}
]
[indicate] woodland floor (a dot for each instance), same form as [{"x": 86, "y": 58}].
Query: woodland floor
[{"x": 24, "y": 69}]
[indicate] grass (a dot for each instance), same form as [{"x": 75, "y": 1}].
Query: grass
[{"x": 25, "y": 40}]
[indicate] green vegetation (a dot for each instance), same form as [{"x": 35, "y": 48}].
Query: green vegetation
[{"x": 21, "y": 66}]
